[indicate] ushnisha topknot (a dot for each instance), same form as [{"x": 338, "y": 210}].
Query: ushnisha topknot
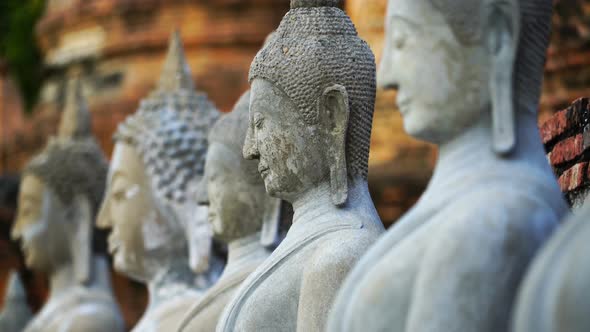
[
  {"x": 170, "y": 128},
  {"x": 72, "y": 163},
  {"x": 315, "y": 47},
  {"x": 230, "y": 130},
  {"x": 314, "y": 3}
]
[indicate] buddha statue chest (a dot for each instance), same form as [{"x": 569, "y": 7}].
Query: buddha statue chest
[
  {"x": 422, "y": 272},
  {"x": 273, "y": 302},
  {"x": 64, "y": 313}
]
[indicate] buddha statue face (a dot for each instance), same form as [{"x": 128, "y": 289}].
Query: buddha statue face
[
  {"x": 61, "y": 190},
  {"x": 40, "y": 226},
  {"x": 458, "y": 64},
  {"x": 167, "y": 138},
  {"x": 138, "y": 233},
  {"x": 291, "y": 153},
  {"x": 442, "y": 83},
  {"x": 311, "y": 104},
  {"x": 236, "y": 203}
]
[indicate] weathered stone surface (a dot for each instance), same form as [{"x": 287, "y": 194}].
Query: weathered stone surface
[
  {"x": 243, "y": 216},
  {"x": 314, "y": 154}
]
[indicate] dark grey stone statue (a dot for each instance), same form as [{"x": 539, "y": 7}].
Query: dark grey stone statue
[
  {"x": 468, "y": 77},
  {"x": 240, "y": 211},
  {"x": 311, "y": 106}
]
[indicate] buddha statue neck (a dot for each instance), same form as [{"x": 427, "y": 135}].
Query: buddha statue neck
[
  {"x": 174, "y": 278},
  {"x": 316, "y": 204},
  {"x": 469, "y": 152},
  {"x": 62, "y": 279}
]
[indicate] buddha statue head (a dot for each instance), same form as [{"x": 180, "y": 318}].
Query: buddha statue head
[
  {"x": 234, "y": 191},
  {"x": 60, "y": 193},
  {"x": 457, "y": 62},
  {"x": 157, "y": 164},
  {"x": 311, "y": 104}
]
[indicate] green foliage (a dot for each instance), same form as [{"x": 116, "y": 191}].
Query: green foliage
[{"x": 18, "y": 45}]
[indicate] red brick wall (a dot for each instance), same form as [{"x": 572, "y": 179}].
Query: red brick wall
[{"x": 566, "y": 137}]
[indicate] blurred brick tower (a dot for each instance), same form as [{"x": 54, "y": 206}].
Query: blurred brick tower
[{"x": 117, "y": 46}]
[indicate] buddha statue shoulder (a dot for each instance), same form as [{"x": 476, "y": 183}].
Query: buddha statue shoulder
[
  {"x": 15, "y": 313},
  {"x": 468, "y": 78},
  {"x": 60, "y": 193},
  {"x": 241, "y": 214},
  {"x": 311, "y": 107},
  {"x": 554, "y": 294},
  {"x": 159, "y": 235}
]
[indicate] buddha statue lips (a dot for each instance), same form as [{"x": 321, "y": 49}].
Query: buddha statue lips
[
  {"x": 472, "y": 71},
  {"x": 311, "y": 106}
]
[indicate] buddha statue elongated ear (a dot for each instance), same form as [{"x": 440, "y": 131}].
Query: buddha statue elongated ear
[
  {"x": 82, "y": 243},
  {"x": 334, "y": 111},
  {"x": 501, "y": 35},
  {"x": 271, "y": 220}
]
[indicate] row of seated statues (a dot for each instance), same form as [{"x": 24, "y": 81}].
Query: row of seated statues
[{"x": 482, "y": 250}]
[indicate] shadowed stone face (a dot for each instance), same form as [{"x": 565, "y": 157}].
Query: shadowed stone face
[
  {"x": 235, "y": 205},
  {"x": 39, "y": 226},
  {"x": 442, "y": 83},
  {"x": 128, "y": 211},
  {"x": 291, "y": 152}
]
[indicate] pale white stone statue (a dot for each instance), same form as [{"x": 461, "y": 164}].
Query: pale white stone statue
[
  {"x": 157, "y": 164},
  {"x": 554, "y": 295},
  {"x": 15, "y": 313},
  {"x": 60, "y": 193},
  {"x": 468, "y": 75},
  {"x": 311, "y": 106},
  {"x": 240, "y": 212}
]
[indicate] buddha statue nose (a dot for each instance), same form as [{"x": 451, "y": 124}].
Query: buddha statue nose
[{"x": 250, "y": 150}]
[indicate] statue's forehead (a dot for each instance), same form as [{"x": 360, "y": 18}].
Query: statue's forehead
[
  {"x": 126, "y": 161},
  {"x": 32, "y": 187},
  {"x": 415, "y": 11}
]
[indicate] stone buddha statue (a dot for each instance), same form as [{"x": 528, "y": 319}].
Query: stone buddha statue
[
  {"x": 311, "y": 106},
  {"x": 240, "y": 212},
  {"x": 61, "y": 190},
  {"x": 16, "y": 312},
  {"x": 554, "y": 294},
  {"x": 158, "y": 235},
  {"x": 468, "y": 77}
]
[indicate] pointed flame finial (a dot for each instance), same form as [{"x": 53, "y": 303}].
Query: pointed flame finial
[
  {"x": 75, "y": 119},
  {"x": 176, "y": 74}
]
